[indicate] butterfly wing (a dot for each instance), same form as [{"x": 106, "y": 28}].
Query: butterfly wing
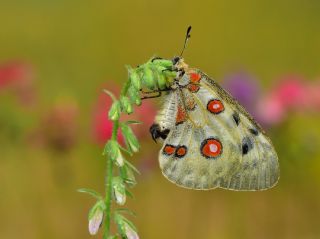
[{"x": 213, "y": 142}]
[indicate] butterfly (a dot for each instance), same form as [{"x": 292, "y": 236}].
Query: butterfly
[{"x": 209, "y": 140}]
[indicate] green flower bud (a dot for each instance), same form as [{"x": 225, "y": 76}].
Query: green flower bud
[
  {"x": 170, "y": 74},
  {"x": 162, "y": 83},
  {"x": 134, "y": 95},
  {"x": 138, "y": 101},
  {"x": 130, "y": 232},
  {"x": 95, "y": 217},
  {"x": 130, "y": 139},
  {"x": 148, "y": 78},
  {"x": 168, "y": 64},
  {"x": 126, "y": 105},
  {"x": 112, "y": 150},
  {"x": 120, "y": 159},
  {"x": 135, "y": 79},
  {"x": 119, "y": 190},
  {"x": 128, "y": 176},
  {"x": 115, "y": 110},
  {"x": 125, "y": 227},
  {"x": 165, "y": 76},
  {"x": 112, "y": 237}
]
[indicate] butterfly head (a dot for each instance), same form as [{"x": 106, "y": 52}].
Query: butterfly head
[{"x": 179, "y": 65}]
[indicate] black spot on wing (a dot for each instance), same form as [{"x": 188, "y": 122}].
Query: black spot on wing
[
  {"x": 254, "y": 132},
  {"x": 245, "y": 149},
  {"x": 247, "y": 145},
  {"x": 236, "y": 118}
]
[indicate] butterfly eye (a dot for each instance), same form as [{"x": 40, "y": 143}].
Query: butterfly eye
[{"x": 175, "y": 60}]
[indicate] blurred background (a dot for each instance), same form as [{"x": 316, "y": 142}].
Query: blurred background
[{"x": 57, "y": 56}]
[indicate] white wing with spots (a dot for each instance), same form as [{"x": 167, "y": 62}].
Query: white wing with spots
[{"x": 213, "y": 142}]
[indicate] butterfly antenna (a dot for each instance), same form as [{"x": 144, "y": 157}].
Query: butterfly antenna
[{"x": 186, "y": 40}]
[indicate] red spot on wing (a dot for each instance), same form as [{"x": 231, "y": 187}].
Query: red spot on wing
[
  {"x": 181, "y": 115},
  {"x": 194, "y": 77},
  {"x": 215, "y": 106},
  {"x": 193, "y": 88},
  {"x": 169, "y": 149},
  {"x": 211, "y": 148},
  {"x": 181, "y": 151}
]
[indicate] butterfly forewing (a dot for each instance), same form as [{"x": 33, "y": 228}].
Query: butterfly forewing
[{"x": 213, "y": 142}]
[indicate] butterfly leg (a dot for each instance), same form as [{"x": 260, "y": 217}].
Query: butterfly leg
[
  {"x": 151, "y": 96},
  {"x": 157, "y": 93},
  {"x": 156, "y": 132}
]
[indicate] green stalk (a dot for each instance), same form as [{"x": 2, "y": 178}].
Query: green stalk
[
  {"x": 125, "y": 88},
  {"x": 109, "y": 185}
]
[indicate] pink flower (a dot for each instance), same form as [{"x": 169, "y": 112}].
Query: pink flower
[
  {"x": 270, "y": 110},
  {"x": 58, "y": 127},
  {"x": 290, "y": 95},
  {"x": 313, "y": 96},
  {"x": 18, "y": 77}
]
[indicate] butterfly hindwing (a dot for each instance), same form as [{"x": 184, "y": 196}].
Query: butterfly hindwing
[{"x": 213, "y": 142}]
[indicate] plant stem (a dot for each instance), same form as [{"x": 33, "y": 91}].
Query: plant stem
[
  {"x": 109, "y": 185},
  {"x": 108, "y": 198}
]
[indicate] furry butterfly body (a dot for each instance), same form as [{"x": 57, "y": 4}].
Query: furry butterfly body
[{"x": 209, "y": 139}]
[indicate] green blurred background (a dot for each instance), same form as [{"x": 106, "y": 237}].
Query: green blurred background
[{"x": 67, "y": 51}]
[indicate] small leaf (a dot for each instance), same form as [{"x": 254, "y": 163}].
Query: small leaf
[
  {"x": 130, "y": 139},
  {"x": 128, "y": 176},
  {"x": 90, "y": 192},
  {"x": 132, "y": 167},
  {"x": 126, "y": 210},
  {"x": 125, "y": 150},
  {"x": 129, "y": 194},
  {"x": 110, "y": 94},
  {"x": 133, "y": 122}
]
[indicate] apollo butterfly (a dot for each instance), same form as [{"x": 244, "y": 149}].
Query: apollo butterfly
[{"x": 209, "y": 140}]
